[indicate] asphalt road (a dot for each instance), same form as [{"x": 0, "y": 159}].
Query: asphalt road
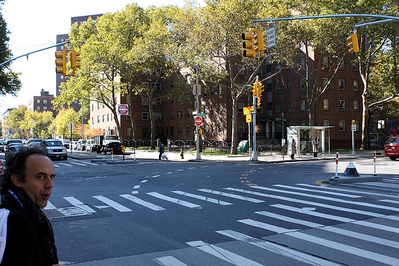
[{"x": 183, "y": 213}]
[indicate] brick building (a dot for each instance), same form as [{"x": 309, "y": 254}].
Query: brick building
[{"x": 41, "y": 103}]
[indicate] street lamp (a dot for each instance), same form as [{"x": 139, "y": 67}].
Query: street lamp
[{"x": 198, "y": 156}]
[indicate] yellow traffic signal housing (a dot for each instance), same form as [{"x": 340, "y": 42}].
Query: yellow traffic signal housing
[
  {"x": 259, "y": 40},
  {"x": 353, "y": 44},
  {"x": 60, "y": 61},
  {"x": 257, "y": 129},
  {"x": 248, "y": 45},
  {"x": 75, "y": 59},
  {"x": 261, "y": 91},
  {"x": 259, "y": 103},
  {"x": 255, "y": 89}
]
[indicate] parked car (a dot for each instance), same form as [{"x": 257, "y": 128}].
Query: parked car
[
  {"x": 66, "y": 143},
  {"x": 12, "y": 148},
  {"x": 33, "y": 142},
  {"x": 55, "y": 149},
  {"x": 12, "y": 142},
  {"x": 391, "y": 148},
  {"x": 90, "y": 145},
  {"x": 82, "y": 145},
  {"x": 2, "y": 144},
  {"x": 73, "y": 145}
]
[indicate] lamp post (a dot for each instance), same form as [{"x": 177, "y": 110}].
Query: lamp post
[{"x": 198, "y": 155}]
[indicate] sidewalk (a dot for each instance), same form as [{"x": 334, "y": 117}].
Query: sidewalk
[{"x": 175, "y": 157}]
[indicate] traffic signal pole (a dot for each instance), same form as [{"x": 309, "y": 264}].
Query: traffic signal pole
[
  {"x": 254, "y": 150},
  {"x": 58, "y": 44}
]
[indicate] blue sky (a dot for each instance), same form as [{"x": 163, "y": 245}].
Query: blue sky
[{"x": 35, "y": 24}]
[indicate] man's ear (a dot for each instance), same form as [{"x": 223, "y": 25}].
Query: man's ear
[{"x": 16, "y": 180}]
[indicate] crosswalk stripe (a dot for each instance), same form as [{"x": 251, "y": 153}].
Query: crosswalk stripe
[
  {"x": 312, "y": 203},
  {"x": 81, "y": 164},
  {"x": 78, "y": 203},
  {"x": 278, "y": 249},
  {"x": 230, "y": 195},
  {"x": 378, "y": 226},
  {"x": 223, "y": 254},
  {"x": 174, "y": 200},
  {"x": 314, "y": 213},
  {"x": 361, "y": 236},
  {"x": 142, "y": 202},
  {"x": 329, "y": 198},
  {"x": 385, "y": 184},
  {"x": 289, "y": 219},
  {"x": 269, "y": 227},
  {"x": 66, "y": 164},
  {"x": 169, "y": 261},
  {"x": 318, "y": 191},
  {"x": 347, "y": 190},
  {"x": 50, "y": 206},
  {"x": 113, "y": 204},
  {"x": 211, "y": 200},
  {"x": 390, "y": 217},
  {"x": 345, "y": 248}
]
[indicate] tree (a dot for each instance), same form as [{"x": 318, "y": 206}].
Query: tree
[
  {"x": 9, "y": 80},
  {"x": 64, "y": 117},
  {"x": 16, "y": 121},
  {"x": 38, "y": 124},
  {"x": 211, "y": 38}
]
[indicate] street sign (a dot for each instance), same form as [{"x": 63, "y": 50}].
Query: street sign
[
  {"x": 123, "y": 109},
  {"x": 248, "y": 118},
  {"x": 198, "y": 121},
  {"x": 201, "y": 114},
  {"x": 247, "y": 110},
  {"x": 1, "y": 167},
  {"x": 271, "y": 37},
  {"x": 353, "y": 127}
]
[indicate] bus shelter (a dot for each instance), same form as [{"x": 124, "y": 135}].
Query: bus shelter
[{"x": 294, "y": 134}]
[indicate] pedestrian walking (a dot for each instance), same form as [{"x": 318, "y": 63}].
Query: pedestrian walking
[
  {"x": 161, "y": 150},
  {"x": 293, "y": 149},
  {"x": 315, "y": 146},
  {"x": 26, "y": 186}
]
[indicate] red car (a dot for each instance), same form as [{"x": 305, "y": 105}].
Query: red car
[{"x": 391, "y": 148}]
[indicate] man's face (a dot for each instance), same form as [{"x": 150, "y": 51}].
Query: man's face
[{"x": 39, "y": 176}]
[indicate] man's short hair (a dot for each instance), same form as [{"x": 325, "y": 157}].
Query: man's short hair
[{"x": 15, "y": 164}]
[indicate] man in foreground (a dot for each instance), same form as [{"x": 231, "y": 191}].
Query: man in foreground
[{"x": 26, "y": 186}]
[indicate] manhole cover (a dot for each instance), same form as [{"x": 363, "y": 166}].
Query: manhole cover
[{"x": 362, "y": 199}]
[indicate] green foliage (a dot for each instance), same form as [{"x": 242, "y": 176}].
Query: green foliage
[
  {"x": 9, "y": 80},
  {"x": 64, "y": 117}
]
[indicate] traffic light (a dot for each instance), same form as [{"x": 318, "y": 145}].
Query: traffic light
[
  {"x": 75, "y": 59},
  {"x": 248, "y": 44},
  {"x": 60, "y": 61},
  {"x": 259, "y": 103},
  {"x": 255, "y": 89},
  {"x": 257, "y": 129},
  {"x": 261, "y": 91},
  {"x": 353, "y": 44},
  {"x": 259, "y": 37}
]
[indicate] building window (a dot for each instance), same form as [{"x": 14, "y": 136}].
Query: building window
[
  {"x": 38, "y": 108},
  {"x": 278, "y": 108},
  {"x": 356, "y": 105},
  {"x": 188, "y": 112},
  {"x": 302, "y": 62},
  {"x": 92, "y": 106},
  {"x": 92, "y": 120},
  {"x": 98, "y": 119},
  {"x": 326, "y": 104},
  {"x": 157, "y": 116},
  {"x": 278, "y": 88},
  {"x": 240, "y": 108},
  {"x": 44, "y": 108},
  {"x": 179, "y": 130},
  {"x": 241, "y": 127},
  {"x": 341, "y": 105},
  {"x": 103, "y": 118},
  {"x": 220, "y": 108},
  {"x": 355, "y": 85},
  {"x": 179, "y": 114},
  {"x": 325, "y": 82},
  {"x": 341, "y": 84},
  {"x": 302, "y": 84},
  {"x": 188, "y": 130},
  {"x": 355, "y": 67},
  {"x": 45, "y": 101},
  {"x": 325, "y": 62},
  {"x": 129, "y": 132},
  {"x": 171, "y": 131},
  {"x": 342, "y": 65},
  {"x": 38, "y": 101},
  {"x": 107, "y": 117},
  {"x": 341, "y": 125},
  {"x": 98, "y": 106},
  {"x": 302, "y": 105},
  {"x": 220, "y": 128},
  {"x": 144, "y": 115},
  {"x": 171, "y": 115}
]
